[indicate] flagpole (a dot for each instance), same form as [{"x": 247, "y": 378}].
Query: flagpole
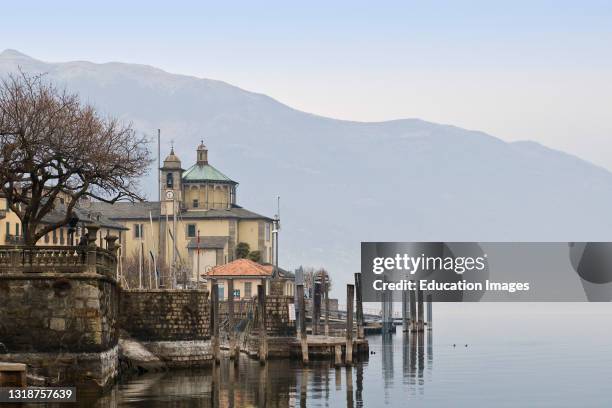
[
  {"x": 174, "y": 276},
  {"x": 154, "y": 249},
  {"x": 276, "y": 231},
  {"x": 198, "y": 277},
  {"x": 140, "y": 259}
]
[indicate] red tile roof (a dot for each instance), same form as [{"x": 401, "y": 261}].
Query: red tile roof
[{"x": 240, "y": 267}]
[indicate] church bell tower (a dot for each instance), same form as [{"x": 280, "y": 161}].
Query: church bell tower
[{"x": 170, "y": 187}]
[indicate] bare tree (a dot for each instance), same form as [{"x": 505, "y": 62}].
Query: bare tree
[
  {"x": 312, "y": 276},
  {"x": 54, "y": 147},
  {"x": 138, "y": 268},
  {"x": 132, "y": 264}
]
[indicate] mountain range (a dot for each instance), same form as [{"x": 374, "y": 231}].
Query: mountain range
[{"x": 343, "y": 182}]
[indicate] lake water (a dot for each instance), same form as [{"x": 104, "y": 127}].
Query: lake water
[{"x": 536, "y": 355}]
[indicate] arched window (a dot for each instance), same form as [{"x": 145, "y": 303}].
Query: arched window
[{"x": 170, "y": 180}]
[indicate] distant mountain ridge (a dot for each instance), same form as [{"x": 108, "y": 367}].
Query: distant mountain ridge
[{"x": 342, "y": 182}]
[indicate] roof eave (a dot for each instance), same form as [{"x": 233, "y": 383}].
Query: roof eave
[
  {"x": 187, "y": 181},
  {"x": 240, "y": 276}
]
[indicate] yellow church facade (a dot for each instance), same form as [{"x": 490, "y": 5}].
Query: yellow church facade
[
  {"x": 11, "y": 229},
  {"x": 195, "y": 227}
]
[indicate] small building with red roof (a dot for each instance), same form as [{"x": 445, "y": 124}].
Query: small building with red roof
[{"x": 246, "y": 275}]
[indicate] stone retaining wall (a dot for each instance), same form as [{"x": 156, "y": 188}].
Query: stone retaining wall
[
  {"x": 57, "y": 312},
  {"x": 182, "y": 354},
  {"x": 62, "y": 325},
  {"x": 279, "y": 329},
  {"x": 277, "y": 316},
  {"x": 96, "y": 370},
  {"x": 165, "y": 314}
]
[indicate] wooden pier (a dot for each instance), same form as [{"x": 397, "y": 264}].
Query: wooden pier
[
  {"x": 268, "y": 332},
  {"x": 13, "y": 375},
  {"x": 343, "y": 348},
  {"x": 320, "y": 346}
]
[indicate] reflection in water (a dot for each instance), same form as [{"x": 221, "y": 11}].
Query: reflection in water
[
  {"x": 358, "y": 391},
  {"x": 279, "y": 383},
  {"x": 413, "y": 358},
  {"x": 477, "y": 375},
  {"x": 349, "y": 387},
  {"x": 414, "y": 351},
  {"x": 303, "y": 388},
  {"x": 572, "y": 372},
  {"x": 420, "y": 356},
  {"x": 387, "y": 360},
  {"x": 429, "y": 350},
  {"x": 215, "y": 390}
]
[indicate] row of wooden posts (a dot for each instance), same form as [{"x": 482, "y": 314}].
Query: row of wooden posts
[
  {"x": 234, "y": 346},
  {"x": 413, "y": 311},
  {"x": 323, "y": 289}
]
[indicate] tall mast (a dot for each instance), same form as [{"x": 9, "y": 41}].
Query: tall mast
[
  {"x": 140, "y": 258},
  {"x": 159, "y": 165},
  {"x": 166, "y": 244},
  {"x": 161, "y": 229},
  {"x": 154, "y": 249},
  {"x": 173, "y": 241},
  {"x": 275, "y": 231}
]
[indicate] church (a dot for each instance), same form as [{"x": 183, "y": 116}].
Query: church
[{"x": 196, "y": 226}]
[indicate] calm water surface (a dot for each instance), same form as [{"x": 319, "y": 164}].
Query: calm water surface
[{"x": 519, "y": 355}]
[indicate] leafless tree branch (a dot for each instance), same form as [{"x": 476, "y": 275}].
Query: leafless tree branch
[{"x": 54, "y": 146}]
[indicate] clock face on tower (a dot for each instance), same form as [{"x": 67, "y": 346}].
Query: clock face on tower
[{"x": 169, "y": 195}]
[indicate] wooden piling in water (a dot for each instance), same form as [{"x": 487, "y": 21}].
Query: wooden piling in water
[
  {"x": 359, "y": 294},
  {"x": 316, "y": 308},
  {"x": 413, "y": 311},
  {"x": 233, "y": 379},
  {"x": 263, "y": 337},
  {"x": 233, "y": 352},
  {"x": 429, "y": 312},
  {"x": 387, "y": 310},
  {"x": 214, "y": 317},
  {"x": 303, "y": 388},
  {"x": 215, "y": 386},
  {"x": 230, "y": 314},
  {"x": 262, "y": 391},
  {"x": 338, "y": 355},
  {"x": 326, "y": 294},
  {"x": 299, "y": 290},
  {"x": 350, "y": 293},
  {"x": 349, "y": 386},
  {"x": 421, "y": 311},
  {"x": 405, "y": 311}
]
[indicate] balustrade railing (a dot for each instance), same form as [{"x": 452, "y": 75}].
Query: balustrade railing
[{"x": 60, "y": 259}]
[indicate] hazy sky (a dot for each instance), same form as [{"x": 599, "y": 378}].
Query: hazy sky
[{"x": 520, "y": 70}]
